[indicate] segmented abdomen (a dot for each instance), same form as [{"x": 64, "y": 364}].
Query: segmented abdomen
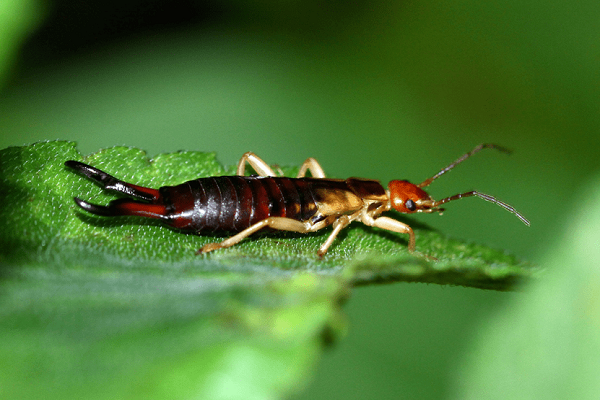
[{"x": 233, "y": 203}]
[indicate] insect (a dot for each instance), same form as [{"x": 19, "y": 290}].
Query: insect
[{"x": 246, "y": 204}]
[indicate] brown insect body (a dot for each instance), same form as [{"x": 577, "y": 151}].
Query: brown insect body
[
  {"x": 235, "y": 203},
  {"x": 247, "y": 204}
]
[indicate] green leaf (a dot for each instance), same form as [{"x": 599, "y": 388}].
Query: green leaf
[
  {"x": 546, "y": 343},
  {"x": 123, "y": 308}
]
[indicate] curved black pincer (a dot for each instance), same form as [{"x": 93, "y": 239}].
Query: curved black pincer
[
  {"x": 109, "y": 182},
  {"x": 94, "y": 208}
]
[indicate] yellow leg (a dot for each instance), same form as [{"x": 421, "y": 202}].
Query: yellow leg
[
  {"x": 278, "y": 223},
  {"x": 261, "y": 167},
  {"x": 338, "y": 225},
  {"x": 394, "y": 226},
  {"x": 313, "y": 166}
]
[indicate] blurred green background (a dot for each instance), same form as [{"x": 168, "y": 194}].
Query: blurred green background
[{"x": 376, "y": 89}]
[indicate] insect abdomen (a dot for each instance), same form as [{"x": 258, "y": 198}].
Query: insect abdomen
[{"x": 233, "y": 203}]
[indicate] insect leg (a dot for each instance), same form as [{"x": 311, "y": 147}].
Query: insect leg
[
  {"x": 277, "y": 223},
  {"x": 394, "y": 226},
  {"x": 338, "y": 225},
  {"x": 313, "y": 166},
  {"x": 261, "y": 167}
]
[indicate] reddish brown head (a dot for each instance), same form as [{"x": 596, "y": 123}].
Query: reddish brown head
[{"x": 407, "y": 198}]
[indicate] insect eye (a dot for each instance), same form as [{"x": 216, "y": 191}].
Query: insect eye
[{"x": 410, "y": 205}]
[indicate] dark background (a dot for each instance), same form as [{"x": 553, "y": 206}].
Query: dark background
[{"x": 376, "y": 89}]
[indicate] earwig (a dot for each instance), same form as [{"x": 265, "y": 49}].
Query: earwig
[{"x": 247, "y": 204}]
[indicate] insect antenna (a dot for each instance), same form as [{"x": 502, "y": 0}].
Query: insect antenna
[
  {"x": 463, "y": 158},
  {"x": 485, "y": 197}
]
